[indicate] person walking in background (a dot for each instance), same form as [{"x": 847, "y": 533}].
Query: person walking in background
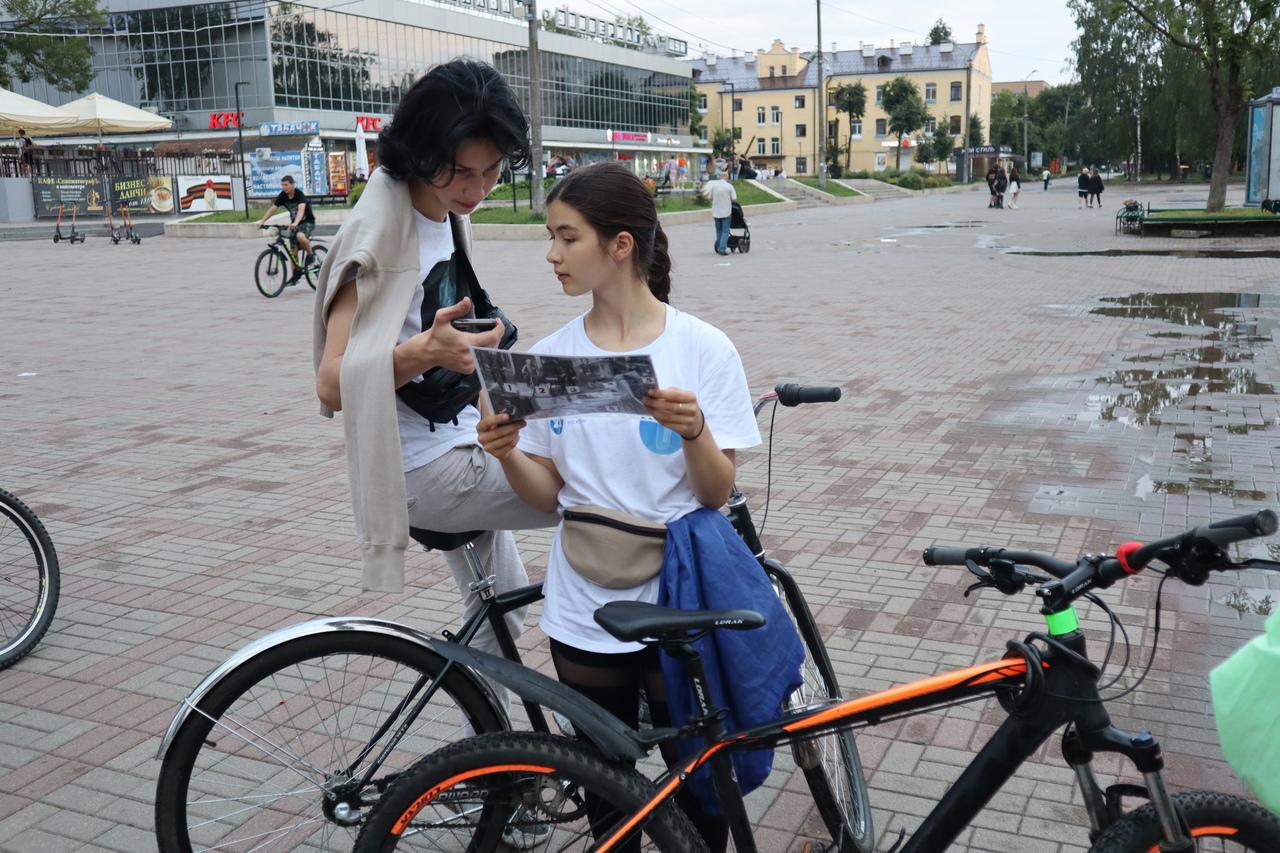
[
  {"x": 682, "y": 172},
  {"x": 991, "y": 185},
  {"x": 670, "y": 171},
  {"x": 1015, "y": 187},
  {"x": 1096, "y": 188},
  {"x": 1046, "y": 178},
  {"x": 26, "y": 153},
  {"x": 1082, "y": 191},
  {"x": 723, "y": 195},
  {"x": 1001, "y": 184},
  {"x": 734, "y": 167}
]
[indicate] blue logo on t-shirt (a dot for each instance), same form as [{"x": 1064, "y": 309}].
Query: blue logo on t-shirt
[
  {"x": 658, "y": 438},
  {"x": 557, "y": 425}
]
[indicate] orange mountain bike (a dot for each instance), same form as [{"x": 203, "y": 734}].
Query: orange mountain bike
[{"x": 473, "y": 794}]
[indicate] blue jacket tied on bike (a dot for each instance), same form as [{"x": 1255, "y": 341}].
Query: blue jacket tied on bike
[{"x": 707, "y": 567}]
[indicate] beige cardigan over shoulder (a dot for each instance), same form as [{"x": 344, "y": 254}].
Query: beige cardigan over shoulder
[{"x": 378, "y": 244}]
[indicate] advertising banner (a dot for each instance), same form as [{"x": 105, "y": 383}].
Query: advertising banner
[
  {"x": 317, "y": 174},
  {"x": 288, "y": 128},
  {"x": 265, "y": 172},
  {"x": 143, "y": 195},
  {"x": 82, "y": 194},
  {"x": 199, "y": 193}
]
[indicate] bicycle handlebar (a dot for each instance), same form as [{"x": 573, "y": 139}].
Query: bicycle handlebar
[
  {"x": 1190, "y": 555},
  {"x": 790, "y": 394}
]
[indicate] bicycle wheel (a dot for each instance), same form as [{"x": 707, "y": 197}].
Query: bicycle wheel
[
  {"x": 521, "y": 789},
  {"x": 271, "y": 757},
  {"x": 1219, "y": 822},
  {"x": 28, "y": 580},
  {"x": 831, "y": 763},
  {"x": 270, "y": 272},
  {"x": 313, "y": 272}
]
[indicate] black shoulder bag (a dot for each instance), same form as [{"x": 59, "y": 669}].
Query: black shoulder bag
[{"x": 442, "y": 394}]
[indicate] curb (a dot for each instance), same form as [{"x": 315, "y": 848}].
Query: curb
[{"x": 481, "y": 231}]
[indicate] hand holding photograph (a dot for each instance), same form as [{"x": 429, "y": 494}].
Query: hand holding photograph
[{"x": 530, "y": 386}]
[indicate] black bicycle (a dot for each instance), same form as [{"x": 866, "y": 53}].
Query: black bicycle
[
  {"x": 468, "y": 794},
  {"x": 289, "y": 742},
  {"x": 28, "y": 580},
  {"x": 279, "y": 265}
]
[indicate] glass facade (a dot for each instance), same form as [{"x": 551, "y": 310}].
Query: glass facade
[{"x": 187, "y": 59}]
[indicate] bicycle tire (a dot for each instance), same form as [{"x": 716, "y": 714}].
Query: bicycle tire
[
  {"x": 29, "y": 580},
  {"x": 270, "y": 271},
  {"x": 837, "y": 783},
  {"x": 521, "y": 789},
  {"x": 1218, "y": 822},
  {"x": 319, "y": 250},
  {"x": 262, "y": 748}
]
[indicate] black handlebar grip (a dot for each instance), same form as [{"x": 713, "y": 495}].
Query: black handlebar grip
[
  {"x": 942, "y": 555},
  {"x": 1251, "y": 526},
  {"x": 791, "y": 394}
]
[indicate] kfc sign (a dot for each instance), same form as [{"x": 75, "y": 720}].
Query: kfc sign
[
  {"x": 370, "y": 123},
  {"x": 225, "y": 121}
]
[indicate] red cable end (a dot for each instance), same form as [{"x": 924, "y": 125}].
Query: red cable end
[{"x": 1122, "y": 554}]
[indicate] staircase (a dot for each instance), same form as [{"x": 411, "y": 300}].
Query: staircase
[
  {"x": 878, "y": 190},
  {"x": 799, "y": 193}
]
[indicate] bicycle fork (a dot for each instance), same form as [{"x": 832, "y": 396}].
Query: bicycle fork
[{"x": 1104, "y": 806}]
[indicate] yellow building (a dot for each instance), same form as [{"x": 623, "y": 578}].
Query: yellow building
[{"x": 769, "y": 99}]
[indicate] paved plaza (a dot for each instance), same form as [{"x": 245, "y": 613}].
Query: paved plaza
[{"x": 1003, "y": 385}]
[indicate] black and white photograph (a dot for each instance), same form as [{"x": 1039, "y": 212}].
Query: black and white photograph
[{"x": 529, "y": 386}]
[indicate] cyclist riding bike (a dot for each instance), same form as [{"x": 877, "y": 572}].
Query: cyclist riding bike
[{"x": 302, "y": 221}]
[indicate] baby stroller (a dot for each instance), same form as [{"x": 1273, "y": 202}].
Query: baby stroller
[{"x": 739, "y": 242}]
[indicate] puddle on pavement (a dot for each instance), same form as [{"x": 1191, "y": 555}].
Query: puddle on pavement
[
  {"x": 1148, "y": 392},
  {"x": 1159, "y": 253},
  {"x": 1183, "y": 309},
  {"x": 1203, "y": 485}
]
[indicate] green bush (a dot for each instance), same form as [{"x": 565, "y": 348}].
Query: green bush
[
  {"x": 911, "y": 181},
  {"x": 357, "y": 189},
  {"x": 936, "y": 182},
  {"x": 835, "y": 170},
  {"x": 858, "y": 174}
]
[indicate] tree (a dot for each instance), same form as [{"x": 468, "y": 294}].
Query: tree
[
  {"x": 1224, "y": 35},
  {"x": 641, "y": 27},
  {"x": 940, "y": 32},
  {"x": 925, "y": 153},
  {"x": 907, "y": 113},
  {"x": 173, "y": 72},
  {"x": 975, "y": 130},
  {"x": 311, "y": 69},
  {"x": 33, "y": 44},
  {"x": 851, "y": 99},
  {"x": 722, "y": 142},
  {"x": 695, "y": 113},
  {"x": 943, "y": 144}
]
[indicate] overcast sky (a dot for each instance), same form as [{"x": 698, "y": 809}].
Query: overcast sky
[{"x": 1031, "y": 36}]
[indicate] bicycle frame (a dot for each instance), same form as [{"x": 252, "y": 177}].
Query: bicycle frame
[{"x": 1068, "y": 678}]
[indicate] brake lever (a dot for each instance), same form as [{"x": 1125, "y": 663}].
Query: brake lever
[
  {"x": 1005, "y": 575},
  {"x": 1255, "y": 563}
]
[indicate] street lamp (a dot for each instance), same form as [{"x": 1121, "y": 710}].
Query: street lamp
[
  {"x": 1026, "y": 155},
  {"x": 244, "y": 183},
  {"x": 822, "y": 109}
]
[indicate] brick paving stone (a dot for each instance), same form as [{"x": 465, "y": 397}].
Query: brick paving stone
[{"x": 197, "y": 500}]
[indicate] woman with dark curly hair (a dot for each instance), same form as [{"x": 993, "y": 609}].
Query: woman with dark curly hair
[{"x": 398, "y": 273}]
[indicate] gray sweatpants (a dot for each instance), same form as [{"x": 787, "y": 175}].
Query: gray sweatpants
[{"x": 465, "y": 489}]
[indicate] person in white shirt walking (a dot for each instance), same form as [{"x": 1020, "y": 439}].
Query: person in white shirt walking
[{"x": 723, "y": 195}]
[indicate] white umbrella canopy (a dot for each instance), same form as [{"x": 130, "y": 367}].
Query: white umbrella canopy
[
  {"x": 99, "y": 114},
  {"x": 362, "y": 153},
  {"x": 18, "y": 112}
]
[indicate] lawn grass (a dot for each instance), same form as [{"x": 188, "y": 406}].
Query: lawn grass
[
  {"x": 1199, "y": 214},
  {"x": 832, "y": 188}
]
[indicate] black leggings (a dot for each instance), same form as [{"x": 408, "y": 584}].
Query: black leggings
[{"x": 613, "y": 682}]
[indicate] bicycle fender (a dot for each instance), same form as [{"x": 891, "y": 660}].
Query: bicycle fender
[
  {"x": 309, "y": 629},
  {"x": 611, "y": 736}
]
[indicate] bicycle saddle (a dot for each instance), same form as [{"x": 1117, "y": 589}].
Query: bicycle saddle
[
  {"x": 632, "y": 621},
  {"x": 435, "y": 541}
]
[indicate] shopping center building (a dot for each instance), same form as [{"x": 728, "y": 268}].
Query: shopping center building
[{"x": 296, "y": 80}]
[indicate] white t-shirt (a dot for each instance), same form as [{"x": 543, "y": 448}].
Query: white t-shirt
[
  {"x": 418, "y": 443},
  {"x": 632, "y": 463}
]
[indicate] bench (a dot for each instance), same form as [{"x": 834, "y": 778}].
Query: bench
[
  {"x": 1209, "y": 224},
  {"x": 1129, "y": 219},
  {"x": 661, "y": 191}
]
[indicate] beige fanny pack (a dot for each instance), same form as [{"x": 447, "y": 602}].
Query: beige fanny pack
[{"x": 611, "y": 548}]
